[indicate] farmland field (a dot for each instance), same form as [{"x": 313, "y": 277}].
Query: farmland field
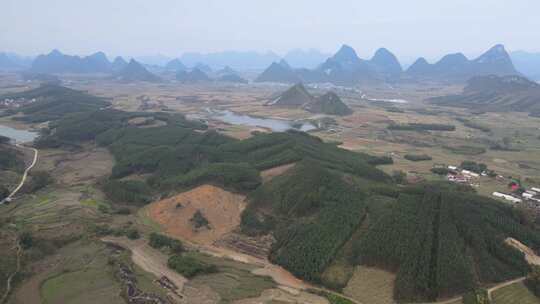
[{"x": 514, "y": 294}]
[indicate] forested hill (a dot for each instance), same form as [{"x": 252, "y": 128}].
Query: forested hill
[
  {"x": 51, "y": 102},
  {"x": 442, "y": 242},
  {"x": 439, "y": 240}
]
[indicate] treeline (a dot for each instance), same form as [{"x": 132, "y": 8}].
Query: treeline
[
  {"x": 473, "y": 125},
  {"x": 130, "y": 191},
  {"x": 443, "y": 242},
  {"x": 422, "y": 127},
  {"x": 417, "y": 157},
  {"x": 474, "y": 166}
]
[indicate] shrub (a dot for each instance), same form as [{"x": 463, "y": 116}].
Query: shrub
[
  {"x": 26, "y": 239},
  {"x": 473, "y": 166},
  {"x": 440, "y": 170},
  {"x": 159, "y": 241},
  {"x": 4, "y": 192},
  {"x": 132, "y": 234},
  {"x": 417, "y": 157},
  {"x": 479, "y": 296},
  {"x": 399, "y": 176},
  {"x": 40, "y": 180},
  {"x": 198, "y": 220},
  {"x": 189, "y": 266}
]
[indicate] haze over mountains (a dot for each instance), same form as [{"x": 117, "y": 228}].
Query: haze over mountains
[
  {"x": 527, "y": 63},
  {"x": 57, "y": 62},
  {"x": 496, "y": 93},
  {"x": 345, "y": 67}
]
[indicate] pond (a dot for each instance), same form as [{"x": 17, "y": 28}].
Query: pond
[
  {"x": 20, "y": 136},
  {"x": 276, "y": 125}
]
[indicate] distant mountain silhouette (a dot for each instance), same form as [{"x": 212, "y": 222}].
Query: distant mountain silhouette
[
  {"x": 343, "y": 68},
  {"x": 203, "y": 67},
  {"x": 118, "y": 64},
  {"x": 227, "y": 70},
  {"x": 419, "y": 67},
  {"x": 10, "y": 61},
  {"x": 6, "y": 63},
  {"x": 235, "y": 59},
  {"x": 175, "y": 65},
  {"x": 56, "y": 62},
  {"x": 295, "y": 96},
  {"x": 346, "y": 68},
  {"x": 527, "y": 63},
  {"x": 192, "y": 76},
  {"x": 457, "y": 68},
  {"x": 386, "y": 64},
  {"x": 278, "y": 72},
  {"x": 496, "y": 94},
  {"x": 232, "y": 78},
  {"x": 330, "y": 104},
  {"x": 134, "y": 72}
]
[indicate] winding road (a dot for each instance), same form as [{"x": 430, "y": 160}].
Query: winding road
[{"x": 25, "y": 175}]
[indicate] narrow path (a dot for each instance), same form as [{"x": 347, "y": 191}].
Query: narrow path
[
  {"x": 25, "y": 175},
  {"x": 492, "y": 289},
  {"x": 10, "y": 278}
]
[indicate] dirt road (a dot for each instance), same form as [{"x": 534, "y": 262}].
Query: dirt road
[
  {"x": 149, "y": 259},
  {"x": 25, "y": 175}
]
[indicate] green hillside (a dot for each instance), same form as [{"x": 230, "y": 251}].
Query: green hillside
[{"x": 52, "y": 102}]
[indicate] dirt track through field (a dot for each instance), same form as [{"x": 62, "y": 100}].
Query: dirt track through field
[{"x": 149, "y": 259}]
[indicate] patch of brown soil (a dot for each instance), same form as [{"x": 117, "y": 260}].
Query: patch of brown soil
[
  {"x": 221, "y": 208},
  {"x": 267, "y": 175}
]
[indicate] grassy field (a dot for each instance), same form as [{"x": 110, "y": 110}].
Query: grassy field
[
  {"x": 92, "y": 285},
  {"x": 83, "y": 277},
  {"x": 370, "y": 285},
  {"x": 514, "y": 294},
  {"x": 234, "y": 280}
]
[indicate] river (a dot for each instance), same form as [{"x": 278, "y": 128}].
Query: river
[
  {"x": 276, "y": 125},
  {"x": 20, "y": 136}
]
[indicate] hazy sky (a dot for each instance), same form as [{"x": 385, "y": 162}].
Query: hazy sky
[{"x": 409, "y": 28}]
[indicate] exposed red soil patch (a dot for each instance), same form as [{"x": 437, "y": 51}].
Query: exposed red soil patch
[{"x": 221, "y": 208}]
